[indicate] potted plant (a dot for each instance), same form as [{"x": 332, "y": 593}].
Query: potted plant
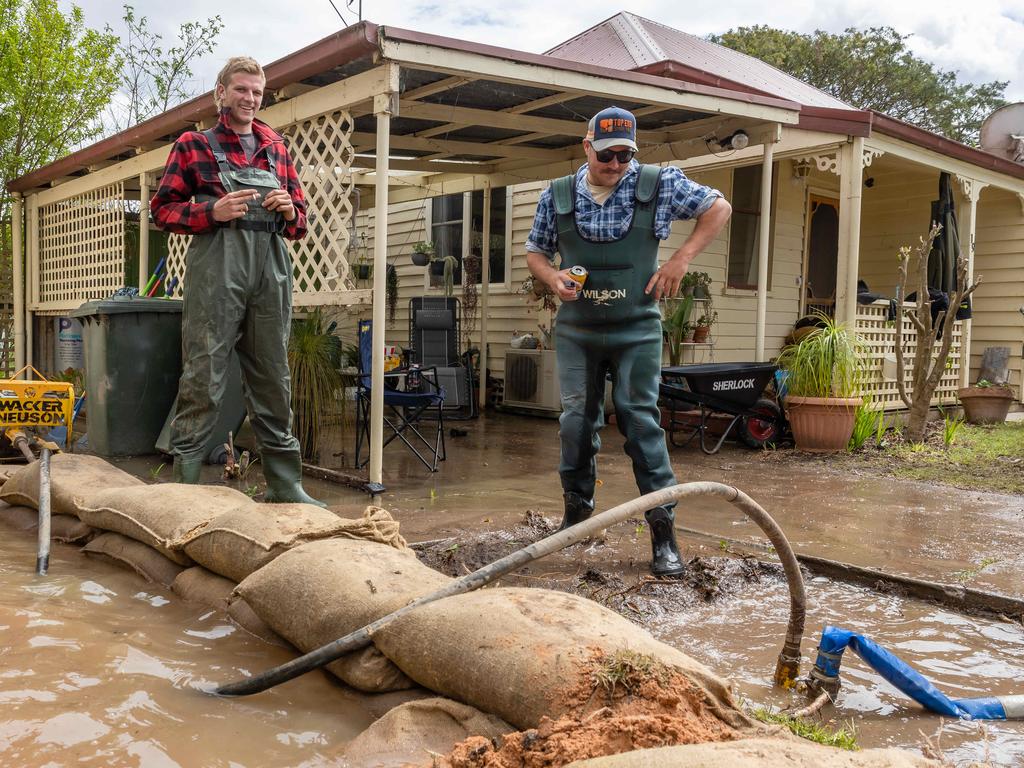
[
  {"x": 676, "y": 323},
  {"x": 422, "y": 253},
  {"x": 696, "y": 284},
  {"x": 362, "y": 267},
  {"x": 703, "y": 326},
  {"x": 442, "y": 273},
  {"x": 314, "y": 359},
  {"x": 985, "y": 402},
  {"x": 823, "y": 382}
]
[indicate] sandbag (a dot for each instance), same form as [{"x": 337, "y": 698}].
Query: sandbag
[
  {"x": 198, "y": 585},
  {"x": 145, "y": 561},
  {"x": 759, "y": 753},
  {"x": 322, "y": 590},
  {"x": 517, "y": 652},
  {"x": 161, "y": 516},
  {"x": 246, "y": 618},
  {"x": 68, "y": 529},
  {"x": 18, "y": 516},
  {"x": 410, "y": 733},
  {"x": 74, "y": 478},
  {"x": 246, "y": 538}
]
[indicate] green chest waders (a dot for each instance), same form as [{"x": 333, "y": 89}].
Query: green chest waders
[
  {"x": 238, "y": 294},
  {"x": 612, "y": 328}
]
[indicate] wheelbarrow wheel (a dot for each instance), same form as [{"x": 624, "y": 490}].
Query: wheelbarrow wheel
[{"x": 757, "y": 433}]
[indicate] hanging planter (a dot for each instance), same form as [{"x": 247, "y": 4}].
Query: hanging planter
[
  {"x": 362, "y": 271},
  {"x": 437, "y": 268},
  {"x": 422, "y": 252}
]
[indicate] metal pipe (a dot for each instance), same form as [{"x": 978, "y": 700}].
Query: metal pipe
[
  {"x": 43, "y": 556},
  {"x": 786, "y": 669}
]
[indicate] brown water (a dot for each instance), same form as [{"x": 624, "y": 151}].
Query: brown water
[{"x": 98, "y": 668}]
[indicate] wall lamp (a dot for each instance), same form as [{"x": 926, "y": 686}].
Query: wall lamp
[{"x": 737, "y": 140}]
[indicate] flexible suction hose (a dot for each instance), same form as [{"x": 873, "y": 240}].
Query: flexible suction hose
[{"x": 786, "y": 669}]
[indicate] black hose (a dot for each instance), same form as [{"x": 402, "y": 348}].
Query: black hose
[{"x": 787, "y": 667}]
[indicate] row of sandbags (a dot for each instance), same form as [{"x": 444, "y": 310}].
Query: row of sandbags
[{"x": 310, "y": 576}]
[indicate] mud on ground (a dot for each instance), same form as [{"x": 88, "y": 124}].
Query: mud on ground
[{"x": 632, "y": 592}]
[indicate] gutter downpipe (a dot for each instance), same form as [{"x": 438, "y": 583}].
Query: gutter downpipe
[
  {"x": 19, "y": 281},
  {"x": 382, "y": 109},
  {"x": 764, "y": 233}
]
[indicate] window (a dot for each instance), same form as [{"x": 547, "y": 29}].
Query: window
[
  {"x": 453, "y": 234},
  {"x": 745, "y": 227}
]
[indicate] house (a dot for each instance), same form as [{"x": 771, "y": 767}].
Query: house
[{"x": 402, "y": 136}]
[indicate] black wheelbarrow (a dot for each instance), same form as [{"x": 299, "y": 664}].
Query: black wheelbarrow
[{"x": 734, "y": 389}]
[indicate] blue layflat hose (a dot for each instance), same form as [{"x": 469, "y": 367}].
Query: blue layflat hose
[{"x": 907, "y": 679}]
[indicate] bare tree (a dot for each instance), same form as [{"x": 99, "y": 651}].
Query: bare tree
[
  {"x": 154, "y": 79},
  {"x": 929, "y": 365}
]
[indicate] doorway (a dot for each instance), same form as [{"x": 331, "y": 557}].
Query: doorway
[{"x": 820, "y": 255}]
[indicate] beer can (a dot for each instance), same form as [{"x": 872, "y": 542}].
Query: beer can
[{"x": 578, "y": 275}]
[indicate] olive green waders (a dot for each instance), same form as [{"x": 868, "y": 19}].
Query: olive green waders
[
  {"x": 239, "y": 295},
  {"x": 613, "y": 328}
]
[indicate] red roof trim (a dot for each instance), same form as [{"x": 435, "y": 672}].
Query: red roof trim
[
  {"x": 898, "y": 129},
  {"x": 347, "y": 45}
]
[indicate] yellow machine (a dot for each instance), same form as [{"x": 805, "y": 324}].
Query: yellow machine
[{"x": 37, "y": 403}]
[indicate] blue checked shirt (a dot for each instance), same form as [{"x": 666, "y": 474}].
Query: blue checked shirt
[{"x": 678, "y": 198}]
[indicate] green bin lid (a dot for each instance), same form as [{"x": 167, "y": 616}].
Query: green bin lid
[{"x": 123, "y": 305}]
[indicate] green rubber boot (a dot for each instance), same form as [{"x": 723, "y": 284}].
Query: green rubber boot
[
  {"x": 283, "y": 473},
  {"x": 186, "y": 470}
]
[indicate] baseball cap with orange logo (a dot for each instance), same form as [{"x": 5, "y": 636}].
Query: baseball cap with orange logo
[{"x": 612, "y": 127}]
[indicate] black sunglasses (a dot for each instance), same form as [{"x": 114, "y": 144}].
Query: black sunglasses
[{"x": 623, "y": 155}]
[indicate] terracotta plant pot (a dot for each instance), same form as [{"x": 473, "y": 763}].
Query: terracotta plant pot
[
  {"x": 700, "y": 333},
  {"x": 821, "y": 423},
  {"x": 985, "y": 405}
]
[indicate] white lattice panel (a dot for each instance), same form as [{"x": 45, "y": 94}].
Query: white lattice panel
[
  {"x": 81, "y": 247},
  {"x": 879, "y": 337},
  {"x": 177, "y": 247},
  {"x": 322, "y": 151}
]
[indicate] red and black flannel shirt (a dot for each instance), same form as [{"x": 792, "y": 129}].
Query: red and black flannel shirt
[{"x": 191, "y": 169}]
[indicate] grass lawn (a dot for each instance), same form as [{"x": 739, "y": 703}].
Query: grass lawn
[{"x": 984, "y": 458}]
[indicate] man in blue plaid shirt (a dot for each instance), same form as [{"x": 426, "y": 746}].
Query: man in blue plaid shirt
[{"x": 609, "y": 218}]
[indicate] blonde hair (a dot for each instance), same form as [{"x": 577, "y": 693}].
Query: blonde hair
[{"x": 235, "y": 65}]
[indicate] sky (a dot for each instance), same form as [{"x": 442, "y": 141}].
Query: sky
[{"x": 981, "y": 40}]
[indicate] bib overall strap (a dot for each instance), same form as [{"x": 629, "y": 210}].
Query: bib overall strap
[
  {"x": 563, "y": 193},
  {"x": 218, "y": 152},
  {"x": 647, "y": 184}
]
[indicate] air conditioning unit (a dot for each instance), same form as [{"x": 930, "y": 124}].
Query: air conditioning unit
[{"x": 531, "y": 380}]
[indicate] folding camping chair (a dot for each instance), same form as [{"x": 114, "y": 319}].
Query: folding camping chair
[
  {"x": 404, "y": 408},
  {"x": 434, "y": 341}
]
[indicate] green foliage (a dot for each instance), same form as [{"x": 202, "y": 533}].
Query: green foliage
[
  {"x": 825, "y": 363},
  {"x": 873, "y": 69},
  {"x": 950, "y": 427},
  {"x": 865, "y": 424},
  {"x": 675, "y": 322},
  {"x": 968, "y": 574},
  {"x": 153, "y": 78},
  {"x": 843, "y": 738},
  {"x": 314, "y": 357},
  {"x": 56, "y": 78}
]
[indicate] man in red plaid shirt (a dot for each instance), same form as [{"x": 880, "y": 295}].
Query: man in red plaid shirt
[{"x": 235, "y": 190}]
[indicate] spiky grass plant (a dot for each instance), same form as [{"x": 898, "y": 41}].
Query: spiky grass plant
[
  {"x": 314, "y": 357},
  {"x": 827, "y": 362}
]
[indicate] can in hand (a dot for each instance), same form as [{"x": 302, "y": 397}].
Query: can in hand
[{"x": 578, "y": 275}]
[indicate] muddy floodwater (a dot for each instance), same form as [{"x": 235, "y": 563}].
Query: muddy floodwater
[{"x": 98, "y": 668}]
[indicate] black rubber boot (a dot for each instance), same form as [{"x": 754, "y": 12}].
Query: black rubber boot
[
  {"x": 666, "y": 560},
  {"x": 577, "y": 509},
  {"x": 186, "y": 470},
  {"x": 283, "y": 473}
]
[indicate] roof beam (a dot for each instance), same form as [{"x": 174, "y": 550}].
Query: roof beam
[
  {"x": 431, "y": 166},
  {"x": 364, "y": 141}
]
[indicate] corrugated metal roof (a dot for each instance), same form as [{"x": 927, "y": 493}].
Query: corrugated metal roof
[{"x": 631, "y": 42}]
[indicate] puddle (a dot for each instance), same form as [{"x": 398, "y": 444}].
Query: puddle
[{"x": 101, "y": 672}]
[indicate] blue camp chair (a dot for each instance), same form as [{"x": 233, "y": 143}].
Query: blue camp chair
[{"x": 412, "y": 401}]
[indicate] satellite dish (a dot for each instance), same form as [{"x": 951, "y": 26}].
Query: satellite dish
[{"x": 1002, "y": 133}]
